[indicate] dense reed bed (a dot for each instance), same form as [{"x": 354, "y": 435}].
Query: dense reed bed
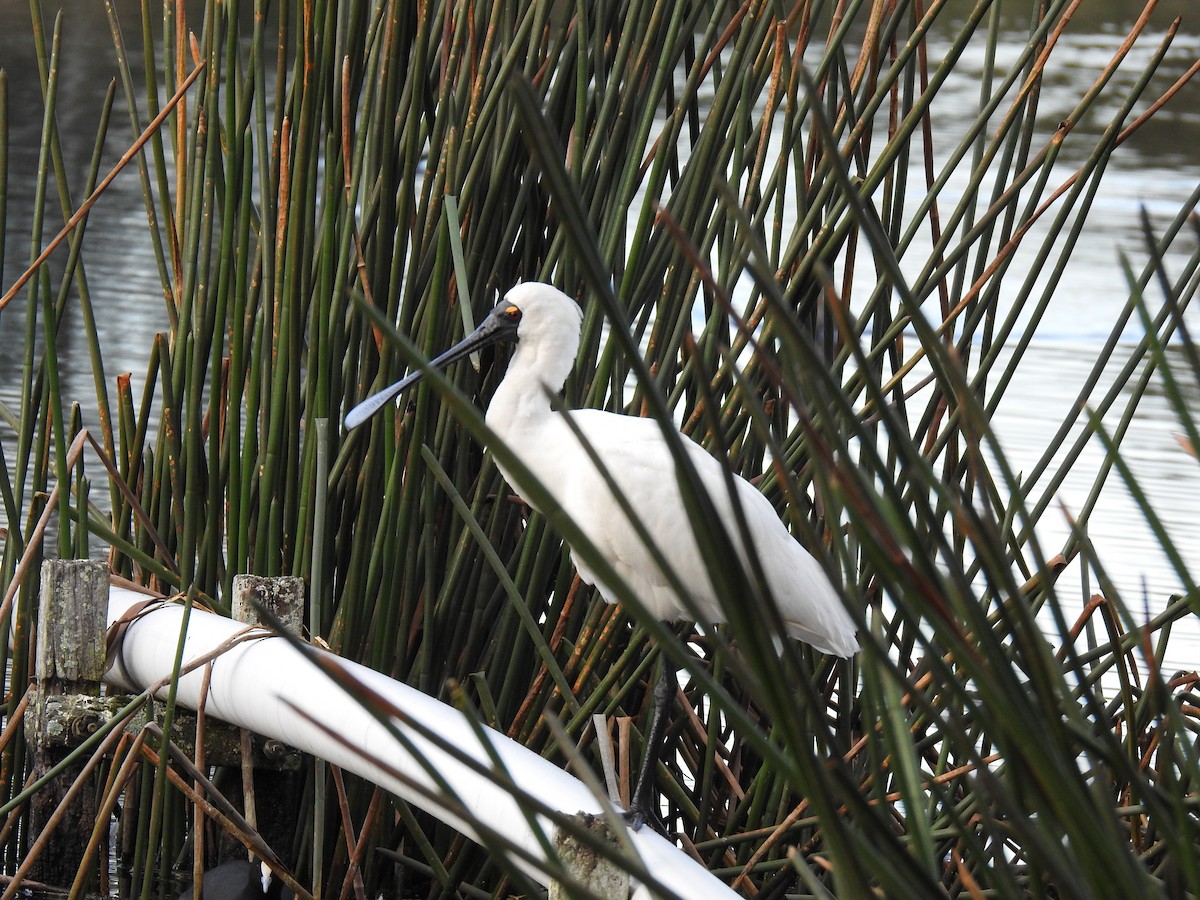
[{"x": 753, "y": 203}]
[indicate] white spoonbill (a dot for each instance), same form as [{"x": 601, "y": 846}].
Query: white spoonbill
[{"x": 545, "y": 324}]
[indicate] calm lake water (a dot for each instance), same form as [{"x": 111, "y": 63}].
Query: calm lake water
[{"x": 1156, "y": 170}]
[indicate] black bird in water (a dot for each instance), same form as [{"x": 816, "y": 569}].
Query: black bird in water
[{"x": 240, "y": 880}]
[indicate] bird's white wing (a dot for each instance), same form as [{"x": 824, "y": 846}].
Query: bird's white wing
[
  {"x": 636, "y": 456},
  {"x": 810, "y": 606}
]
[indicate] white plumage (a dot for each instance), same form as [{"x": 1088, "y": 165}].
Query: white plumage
[{"x": 545, "y": 324}]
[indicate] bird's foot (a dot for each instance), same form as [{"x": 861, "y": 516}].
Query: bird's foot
[{"x": 640, "y": 814}]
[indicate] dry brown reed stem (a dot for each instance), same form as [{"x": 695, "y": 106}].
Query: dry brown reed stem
[
  {"x": 584, "y": 657},
  {"x": 181, "y": 121},
  {"x": 80, "y": 214},
  {"x": 539, "y": 681},
  {"x": 1052, "y": 567},
  {"x": 949, "y": 775},
  {"x": 31, "y": 885},
  {"x": 624, "y": 753},
  {"x": 249, "y": 633},
  {"x": 777, "y": 833},
  {"x": 135, "y": 505},
  {"x": 357, "y": 845},
  {"x": 285, "y": 188},
  {"x": 39, "y": 844},
  {"x": 869, "y": 49},
  {"x": 691, "y": 753},
  {"x": 927, "y": 145},
  {"x": 1039, "y": 64},
  {"x": 249, "y": 801},
  {"x": 13, "y": 726},
  {"x": 14, "y": 816},
  {"x": 592, "y": 639},
  {"x": 197, "y": 813},
  {"x": 348, "y": 831},
  {"x": 219, "y": 808},
  {"x": 360, "y": 259},
  {"x": 1093, "y": 604},
  {"x": 33, "y": 540},
  {"x": 743, "y": 877},
  {"x": 701, "y": 734},
  {"x": 117, "y": 780},
  {"x": 970, "y": 885},
  {"x": 690, "y": 848},
  {"x": 772, "y": 102}
]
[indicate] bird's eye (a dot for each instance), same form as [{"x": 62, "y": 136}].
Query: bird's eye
[{"x": 512, "y": 314}]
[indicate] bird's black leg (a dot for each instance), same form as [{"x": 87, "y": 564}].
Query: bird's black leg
[{"x": 641, "y": 809}]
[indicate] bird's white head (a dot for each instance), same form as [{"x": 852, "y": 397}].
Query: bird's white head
[
  {"x": 542, "y": 320},
  {"x": 265, "y": 876},
  {"x": 548, "y": 324}
]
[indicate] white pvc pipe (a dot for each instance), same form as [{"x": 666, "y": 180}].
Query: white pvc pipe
[{"x": 261, "y": 685}]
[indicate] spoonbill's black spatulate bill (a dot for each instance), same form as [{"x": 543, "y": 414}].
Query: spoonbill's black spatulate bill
[{"x": 545, "y": 324}]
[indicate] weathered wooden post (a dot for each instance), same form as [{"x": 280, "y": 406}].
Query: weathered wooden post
[
  {"x": 283, "y": 597},
  {"x": 275, "y": 819},
  {"x": 599, "y": 875},
  {"x": 70, "y": 662}
]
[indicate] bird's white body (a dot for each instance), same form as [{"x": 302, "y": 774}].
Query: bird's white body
[{"x": 637, "y": 457}]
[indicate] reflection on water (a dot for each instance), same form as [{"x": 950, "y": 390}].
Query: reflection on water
[
  {"x": 1164, "y": 471},
  {"x": 1156, "y": 169},
  {"x": 121, "y": 272}
]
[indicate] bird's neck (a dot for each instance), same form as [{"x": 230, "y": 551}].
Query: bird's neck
[{"x": 523, "y": 397}]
